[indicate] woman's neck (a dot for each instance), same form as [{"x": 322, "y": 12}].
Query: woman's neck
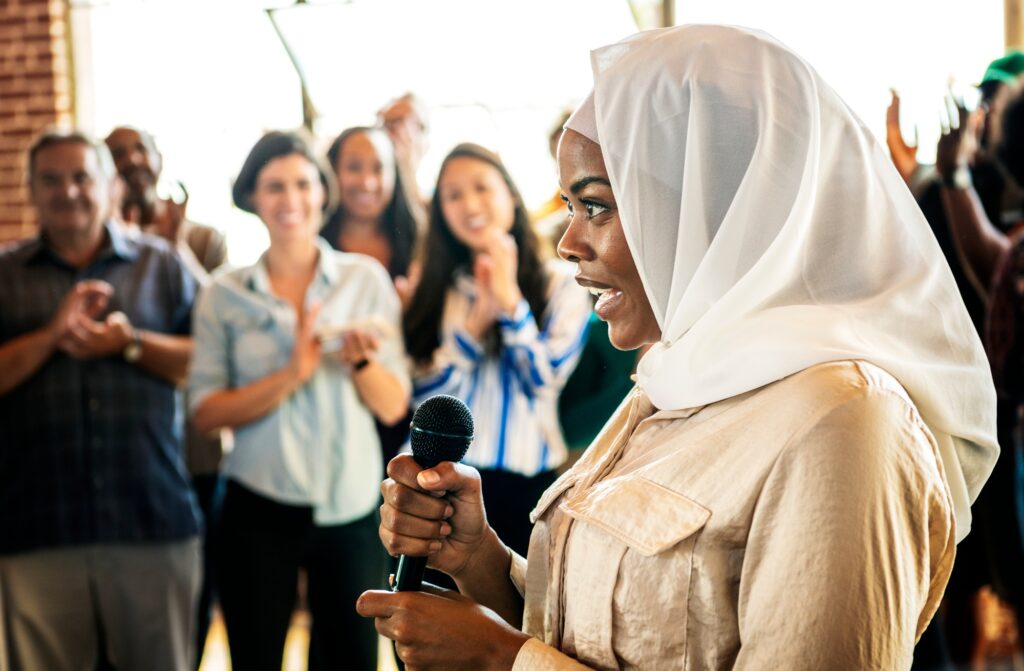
[
  {"x": 290, "y": 260},
  {"x": 359, "y": 228}
]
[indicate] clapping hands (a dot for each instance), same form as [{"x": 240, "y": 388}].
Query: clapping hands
[
  {"x": 495, "y": 272},
  {"x": 75, "y": 329}
]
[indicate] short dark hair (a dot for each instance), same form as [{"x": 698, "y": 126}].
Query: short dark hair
[
  {"x": 50, "y": 137},
  {"x": 276, "y": 144}
]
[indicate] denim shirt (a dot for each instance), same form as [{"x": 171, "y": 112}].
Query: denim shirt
[{"x": 319, "y": 446}]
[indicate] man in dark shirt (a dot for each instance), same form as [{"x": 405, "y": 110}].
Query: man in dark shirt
[{"x": 99, "y": 555}]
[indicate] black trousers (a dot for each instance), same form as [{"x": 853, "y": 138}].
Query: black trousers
[
  {"x": 208, "y": 488},
  {"x": 261, "y": 546}
]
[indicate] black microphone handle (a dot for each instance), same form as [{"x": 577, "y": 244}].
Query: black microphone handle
[{"x": 409, "y": 574}]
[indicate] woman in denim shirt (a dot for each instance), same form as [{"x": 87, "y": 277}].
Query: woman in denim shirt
[{"x": 298, "y": 354}]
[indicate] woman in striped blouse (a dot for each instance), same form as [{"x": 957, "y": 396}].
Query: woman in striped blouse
[{"x": 494, "y": 325}]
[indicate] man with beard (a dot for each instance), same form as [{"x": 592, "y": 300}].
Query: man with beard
[
  {"x": 99, "y": 547},
  {"x": 203, "y": 249},
  {"x": 139, "y": 163}
]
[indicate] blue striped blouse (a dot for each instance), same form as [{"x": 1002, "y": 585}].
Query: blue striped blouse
[{"x": 513, "y": 394}]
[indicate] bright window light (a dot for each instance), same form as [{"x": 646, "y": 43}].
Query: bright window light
[{"x": 864, "y": 48}]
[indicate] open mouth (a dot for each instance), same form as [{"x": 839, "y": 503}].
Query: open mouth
[{"x": 606, "y": 298}]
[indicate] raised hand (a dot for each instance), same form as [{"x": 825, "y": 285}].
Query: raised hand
[
  {"x": 904, "y": 156},
  {"x": 503, "y": 257},
  {"x": 169, "y": 216},
  {"x": 306, "y": 351},
  {"x": 957, "y": 143},
  {"x": 485, "y": 309},
  {"x": 405, "y": 285},
  {"x": 405, "y": 126}
]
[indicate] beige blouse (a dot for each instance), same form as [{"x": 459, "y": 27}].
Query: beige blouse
[{"x": 803, "y": 525}]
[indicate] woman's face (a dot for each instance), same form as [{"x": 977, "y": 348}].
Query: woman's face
[
  {"x": 475, "y": 199},
  {"x": 595, "y": 242},
  {"x": 289, "y": 198},
  {"x": 366, "y": 175}
]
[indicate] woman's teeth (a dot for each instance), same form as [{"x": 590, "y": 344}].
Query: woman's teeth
[{"x": 604, "y": 295}]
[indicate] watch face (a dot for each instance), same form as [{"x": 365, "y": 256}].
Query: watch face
[{"x": 133, "y": 352}]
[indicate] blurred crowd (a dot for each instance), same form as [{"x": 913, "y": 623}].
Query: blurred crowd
[
  {"x": 178, "y": 432},
  {"x": 973, "y": 200}
]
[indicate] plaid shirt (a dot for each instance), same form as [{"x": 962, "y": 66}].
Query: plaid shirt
[{"x": 90, "y": 451}]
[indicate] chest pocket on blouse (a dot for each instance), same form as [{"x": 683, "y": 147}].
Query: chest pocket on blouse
[
  {"x": 629, "y": 564},
  {"x": 258, "y": 349}
]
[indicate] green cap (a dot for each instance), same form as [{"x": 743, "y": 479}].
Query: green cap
[{"x": 1005, "y": 69}]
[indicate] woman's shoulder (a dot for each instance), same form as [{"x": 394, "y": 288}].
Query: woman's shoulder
[
  {"x": 838, "y": 406},
  {"x": 230, "y": 280},
  {"x": 822, "y": 387}
]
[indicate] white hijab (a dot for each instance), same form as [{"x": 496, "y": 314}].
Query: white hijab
[{"x": 772, "y": 234}]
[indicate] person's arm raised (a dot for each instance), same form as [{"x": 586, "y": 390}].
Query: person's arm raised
[
  {"x": 979, "y": 244},
  {"x": 237, "y": 407}
]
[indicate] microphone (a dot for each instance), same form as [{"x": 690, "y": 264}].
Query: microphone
[{"x": 442, "y": 429}]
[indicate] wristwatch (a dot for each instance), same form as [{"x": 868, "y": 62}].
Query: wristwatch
[
  {"x": 133, "y": 350},
  {"x": 959, "y": 179}
]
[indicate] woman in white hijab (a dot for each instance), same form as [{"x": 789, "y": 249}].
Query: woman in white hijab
[{"x": 786, "y": 484}]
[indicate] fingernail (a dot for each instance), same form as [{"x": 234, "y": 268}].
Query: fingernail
[
  {"x": 428, "y": 478},
  {"x": 448, "y": 512},
  {"x": 445, "y": 528},
  {"x": 435, "y": 546}
]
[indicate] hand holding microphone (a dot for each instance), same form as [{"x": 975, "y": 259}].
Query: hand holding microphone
[{"x": 433, "y": 511}]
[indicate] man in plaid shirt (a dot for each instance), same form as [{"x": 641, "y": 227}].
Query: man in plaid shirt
[{"x": 99, "y": 554}]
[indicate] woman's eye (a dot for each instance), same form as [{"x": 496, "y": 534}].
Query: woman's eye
[{"x": 593, "y": 209}]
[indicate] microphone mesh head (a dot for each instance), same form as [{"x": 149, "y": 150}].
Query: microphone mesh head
[{"x": 442, "y": 429}]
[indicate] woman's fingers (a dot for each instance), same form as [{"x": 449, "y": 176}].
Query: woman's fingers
[
  {"x": 410, "y": 501},
  {"x": 403, "y": 524},
  {"x": 307, "y": 321}
]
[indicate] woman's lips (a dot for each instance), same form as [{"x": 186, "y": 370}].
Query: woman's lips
[
  {"x": 608, "y": 303},
  {"x": 609, "y": 298}
]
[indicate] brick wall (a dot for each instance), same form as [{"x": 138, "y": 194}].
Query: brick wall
[{"x": 35, "y": 92}]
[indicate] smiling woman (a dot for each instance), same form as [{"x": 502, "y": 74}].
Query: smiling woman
[
  {"x": 790, "y": 446},
  {"x": 493, "y": 325},
  {"x": 599, "y": 248},
  {"x": 301, "y": 476},
  {"x": 374, "y": 215}
]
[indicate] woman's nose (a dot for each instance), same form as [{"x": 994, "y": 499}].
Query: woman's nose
[
  {"x": 572, "y": 247},
  {"x": 370, "y": 181}
]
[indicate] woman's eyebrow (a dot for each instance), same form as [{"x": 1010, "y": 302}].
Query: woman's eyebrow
[{"x": 580, "y": 184}]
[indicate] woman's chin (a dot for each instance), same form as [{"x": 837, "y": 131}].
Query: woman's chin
[{"x": 622, "y": 339}]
